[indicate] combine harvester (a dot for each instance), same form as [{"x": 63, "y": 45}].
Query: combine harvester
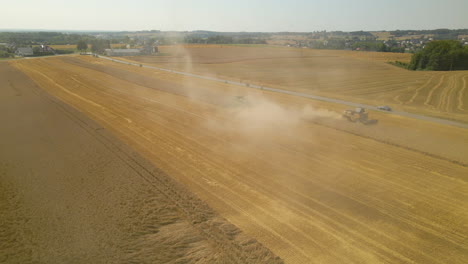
[{"x": 359, "y": 115}]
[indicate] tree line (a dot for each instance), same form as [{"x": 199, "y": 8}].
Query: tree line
[
  {"x": 97, "y": 45},
  {"x": 6, "y": 52},
  {"x": 441, "y": 55},
  {"x": 340, "y": 44},
  {"x": 31, "y": 38}
]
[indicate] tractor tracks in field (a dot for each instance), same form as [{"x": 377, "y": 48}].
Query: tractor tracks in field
[
  {"x": 389, "y": 142},
  {"x": 237, "y": 186},
  {"x": 432, "y": 155},
  {"x": 293, "y": 93},
  {"x": 228, "y": 240}
]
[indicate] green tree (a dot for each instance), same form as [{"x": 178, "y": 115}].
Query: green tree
[
  {"x": 441, "y": 55},
  {"x": 82, "y": 46},
  {"x": 99, "y": 45},
  {"x": 37, "y": 50}
]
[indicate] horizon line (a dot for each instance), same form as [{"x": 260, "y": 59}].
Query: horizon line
[{"x": 203, "y": 30}]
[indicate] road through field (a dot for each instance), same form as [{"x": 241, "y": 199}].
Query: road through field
[
  {"x": 310, "y": 193},
  {"x": 305, "y": 95},
  {"x": 351, "y": 76}
]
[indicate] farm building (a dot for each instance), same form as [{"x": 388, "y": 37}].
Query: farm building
[
  {"x": 26, "y": 51},
  {"x": 45, "y": 48},
  {"x": 123, "y": 52}
]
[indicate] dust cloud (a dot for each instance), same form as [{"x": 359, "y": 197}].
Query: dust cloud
[
  {"x": 255, "y": 114},
  {"x": 186, "y": 61},
  {"x": 251, "y": 111},
  {"x": 310, "y": 112}
]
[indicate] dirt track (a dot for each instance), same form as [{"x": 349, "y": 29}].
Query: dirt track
[
  {"x": 70, "y": 192},
  {"x": 308, "y": 192}
]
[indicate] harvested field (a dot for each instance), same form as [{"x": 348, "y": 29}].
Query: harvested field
[
  {"x": 363, "y": 77},
  {"x": 285, "y": 170},
  {"x": 70, "y": 192}
]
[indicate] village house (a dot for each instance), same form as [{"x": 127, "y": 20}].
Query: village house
[
  {"x": 24, "y": 51},
  {"x": 45, "y": 48}
]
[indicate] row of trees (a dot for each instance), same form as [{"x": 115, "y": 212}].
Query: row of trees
[
  {"x": 6, "y": 52},
  {"x": 31, "y": 38},
  {"x": 38, "y": 51},
  {"x": 82, "y": 45},
  {"x": 442, "y": 55},
  {"x": 337, "y": 43}
]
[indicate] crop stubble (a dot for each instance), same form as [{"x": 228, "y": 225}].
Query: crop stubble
[
  {"x": 71, "y": 193},
  {"x": 308, "y": 192},
  {"x": 350, "y": 75}
]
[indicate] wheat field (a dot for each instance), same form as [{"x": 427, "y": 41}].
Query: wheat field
[
  {"x": 363, "y": 77},
  {"x": 311, "y": 191}
]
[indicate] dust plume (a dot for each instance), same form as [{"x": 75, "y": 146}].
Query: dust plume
[
  {"x": 310, "y": 112},
  {"x": 185, "y": 60},
  {"x": 258, "y": 112},
  {"x": 254, "y": 114}
]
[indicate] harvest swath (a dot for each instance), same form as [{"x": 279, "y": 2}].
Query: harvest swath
[
  {"x": 312, "y": 191},
  {"x": 85, "y": 185},
  {"x": 350, "y": 75}
]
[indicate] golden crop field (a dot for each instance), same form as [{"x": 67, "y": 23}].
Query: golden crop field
[
  {"x": 363, "y": 77},
  {"x": 118, "y": 206},
  {"x": 286, "y": 170}
]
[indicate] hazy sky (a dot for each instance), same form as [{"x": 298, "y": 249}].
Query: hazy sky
[{"x": 234, "y": 15}]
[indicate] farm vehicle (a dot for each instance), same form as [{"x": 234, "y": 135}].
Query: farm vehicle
[{"x": 359, "y": 115}]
